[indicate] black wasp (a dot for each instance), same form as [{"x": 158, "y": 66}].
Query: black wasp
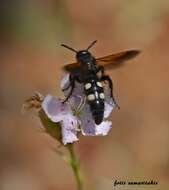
[{"x": 89, "y": 71}]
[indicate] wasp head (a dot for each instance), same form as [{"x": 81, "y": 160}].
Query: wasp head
[{"x": 83, "y": 56}]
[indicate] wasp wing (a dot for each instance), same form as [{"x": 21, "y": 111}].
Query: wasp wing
[
  {"x": 73, "y": 68},
  {"x": 116, "y": 60},
  {"x": 110, "y": 61}
]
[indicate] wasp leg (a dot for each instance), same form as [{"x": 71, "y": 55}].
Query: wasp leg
[
  {"x": 101, "y": 68},
  {"x": 72, "y": 85},
  {"x": 100, "y": 71},
  {"x": 108, "y": 79}
]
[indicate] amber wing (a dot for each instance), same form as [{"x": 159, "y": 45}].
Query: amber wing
[
  {"x": 110, "y": 61},
  {"x": 116, "y": 60},
  {"x": 72, "y": 68}
]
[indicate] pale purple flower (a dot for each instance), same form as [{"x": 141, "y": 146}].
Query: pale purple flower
[
  {"x": 73, "y": 116},
  {"x": 61, "y": 113}
]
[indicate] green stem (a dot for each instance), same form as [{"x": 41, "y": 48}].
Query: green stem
[{"x": 75, "y": 166}]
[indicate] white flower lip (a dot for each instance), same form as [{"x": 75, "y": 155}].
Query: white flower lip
[{"x": 56, "y": 111}]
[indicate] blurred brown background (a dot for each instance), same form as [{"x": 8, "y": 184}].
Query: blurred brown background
[{"x": 31, "y": 59}]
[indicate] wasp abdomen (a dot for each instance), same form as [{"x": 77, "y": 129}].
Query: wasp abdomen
[
  {"x": 97, "y": 109},
  {"x": 95, "y": 97}
]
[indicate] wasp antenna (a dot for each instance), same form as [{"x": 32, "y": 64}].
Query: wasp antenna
[
  {"x": 69, "y": 48},
  {"x": 91, "y": 44}
]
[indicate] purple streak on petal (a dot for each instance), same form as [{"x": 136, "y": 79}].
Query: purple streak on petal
[
  {"x": 68, "y": 136},
  {"x": 69, "y": 129}
]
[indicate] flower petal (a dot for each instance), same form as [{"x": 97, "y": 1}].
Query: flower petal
[
  {"x": 68, "y": 136},
  {"x": 109, "y": 103},
  {"x": 109, "y": 106},
  {"x": 54, "y": 108},
  {"x": 65, "y": 81},
  {"x": 69, "y": 129},
  {"x": 103, "y": 128},
  {"x": 88, "y": 126},
  {"x": 56, "y": 111}
]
